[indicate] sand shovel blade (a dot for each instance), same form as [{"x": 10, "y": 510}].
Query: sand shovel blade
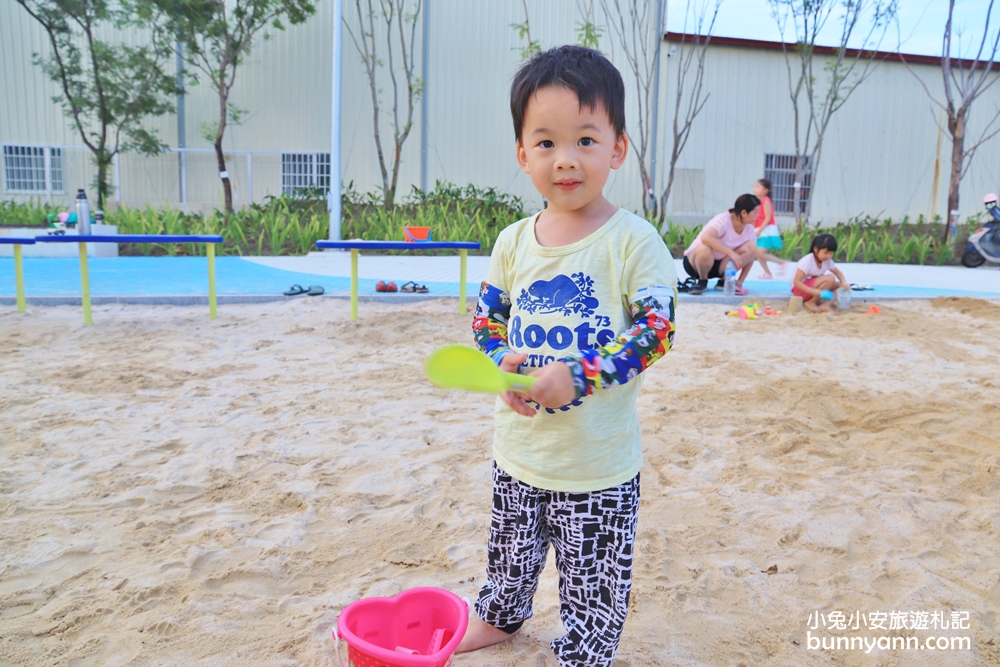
[{"x": 461, "y": 367}]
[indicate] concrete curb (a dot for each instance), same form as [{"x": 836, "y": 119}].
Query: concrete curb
[
  {"x": 232, "y": 299},
  {"x": 202, "y": 300}
]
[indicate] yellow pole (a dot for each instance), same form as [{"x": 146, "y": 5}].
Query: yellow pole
[
  {"x": 210, "y": 251},
  {"x": 85, "y": 282},
  {"x": 354, "y": 283},
  {"x": 461, "y": 281},
  {"x": 19, "y": 277}
]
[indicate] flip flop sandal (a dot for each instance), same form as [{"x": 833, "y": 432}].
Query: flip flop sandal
[
  {"x": 315, "y": 290},
  {"x": 295, "y": 290},
  {"x": 765, "y": 276},
  {"x": 685, "y": 286},
  {"x": 413, "y": 287},
  {"x": 741, "y": 291},
  {"x": 860, "y": 288}
]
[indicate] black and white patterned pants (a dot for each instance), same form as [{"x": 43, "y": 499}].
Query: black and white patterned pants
[{"x": 594, "y": 536}]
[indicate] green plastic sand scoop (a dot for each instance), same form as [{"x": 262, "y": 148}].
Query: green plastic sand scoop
[{"x": 461, "y": 367}]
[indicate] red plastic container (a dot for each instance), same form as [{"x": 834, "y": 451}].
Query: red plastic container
[
  {"x": 417, "y": 234},
  {"x": 420, "y": 627}
]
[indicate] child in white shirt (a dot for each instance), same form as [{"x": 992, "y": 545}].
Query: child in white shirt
[{"x": 813, "y": 274}]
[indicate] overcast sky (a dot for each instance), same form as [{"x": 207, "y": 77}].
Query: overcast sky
[{"x": 920, "y": 25}]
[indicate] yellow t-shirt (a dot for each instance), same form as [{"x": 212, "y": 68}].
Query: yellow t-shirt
[{"x": 566, "y": 299}]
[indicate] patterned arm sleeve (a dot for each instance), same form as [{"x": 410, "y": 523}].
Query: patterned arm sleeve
[
  {"x": 489, "y": 327},
  {"x": 649, "y": 338}
]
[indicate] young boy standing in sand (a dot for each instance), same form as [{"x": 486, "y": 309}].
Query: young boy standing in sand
[{"x": 582, "y": 297}]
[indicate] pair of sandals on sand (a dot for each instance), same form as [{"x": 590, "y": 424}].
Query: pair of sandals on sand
[
  {"x": 312, "y": 290},
  {"x": 410, "y": 286}
]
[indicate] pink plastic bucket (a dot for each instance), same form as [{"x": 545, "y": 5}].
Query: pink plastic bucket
[{"x": 420, "y": 627}]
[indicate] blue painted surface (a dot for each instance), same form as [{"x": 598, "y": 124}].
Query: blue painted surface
[
  {"x": 141, "y": 276},
  {"x": 154, "y": 276},
  {"x": 129, "y": 238},
  {"x": 14, "y": 240},
  {"x": 780, "y": 289},
  {"x": 400, "y": 245}
]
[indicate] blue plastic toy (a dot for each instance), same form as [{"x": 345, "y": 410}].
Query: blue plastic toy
[{"x": 826, "y": 295}]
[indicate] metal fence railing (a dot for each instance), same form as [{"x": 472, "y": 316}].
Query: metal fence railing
[{"x": 185, "y": 176}]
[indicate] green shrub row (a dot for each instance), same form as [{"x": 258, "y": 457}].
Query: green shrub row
[{"x": 292, "y": 225}]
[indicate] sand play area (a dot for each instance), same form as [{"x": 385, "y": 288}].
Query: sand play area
[{"x": 182, "y": 492}]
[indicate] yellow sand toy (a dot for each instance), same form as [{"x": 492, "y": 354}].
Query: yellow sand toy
[
  {"x": 461, "y": 367},
  {"x": 752, "y": 311}
]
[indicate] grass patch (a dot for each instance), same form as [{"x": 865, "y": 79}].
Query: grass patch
[
  {"x": 864, "y": 240},
  {"x": 292, "y": 225}
]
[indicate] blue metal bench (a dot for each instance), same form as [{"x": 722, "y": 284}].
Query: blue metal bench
[{"x": 463, "y": 248}]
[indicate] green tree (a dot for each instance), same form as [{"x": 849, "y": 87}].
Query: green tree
[
  {"x": 107, "y": 89},
  {"x": 964, "y": 82},
  {"x": 816, "y": 97},
  {"x": 531, "y": 47},
  {"x": 218, "y": 36},
  {"x": 397, "y": 25},
  {"x": 588, "y": 34}
]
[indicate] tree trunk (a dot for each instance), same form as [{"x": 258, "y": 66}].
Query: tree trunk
[
  {"x": 103, "y": 166},
  {"x": 666, "y": 196},
  {"x": 644, "y": 174},
  {"x": 956, "y": 126},
  {"x": 390, "y": 193},
  {"x": 227, "y": 187},
  {"x": 797, "y": 192}
]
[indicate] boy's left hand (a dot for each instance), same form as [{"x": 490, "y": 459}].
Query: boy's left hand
[{"x": 554, "y": 386}]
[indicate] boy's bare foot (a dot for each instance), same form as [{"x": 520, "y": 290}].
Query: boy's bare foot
[{"x": 481, "y": 634}]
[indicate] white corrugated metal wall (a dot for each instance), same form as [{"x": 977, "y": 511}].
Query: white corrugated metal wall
[
  {"x": 878, "y": 152},
  {"x": 878, "y": 158}
]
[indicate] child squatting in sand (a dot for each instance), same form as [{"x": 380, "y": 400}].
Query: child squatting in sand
[
  {"x": 582, "y": 297},
  {"x": 812, "y": 277}
]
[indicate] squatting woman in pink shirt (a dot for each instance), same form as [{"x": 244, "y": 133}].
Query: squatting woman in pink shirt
[{"x": 727, "y": 236}]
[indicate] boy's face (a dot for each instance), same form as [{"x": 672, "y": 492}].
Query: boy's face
[{"x": 568, "y": 150}]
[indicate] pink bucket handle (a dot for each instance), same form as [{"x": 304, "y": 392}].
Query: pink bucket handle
[{"x": 336, "y": 644}]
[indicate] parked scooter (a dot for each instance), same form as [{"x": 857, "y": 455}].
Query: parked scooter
[{"x": 984, "y": 243}]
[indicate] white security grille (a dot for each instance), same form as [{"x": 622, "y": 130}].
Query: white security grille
[
  {"x": 24, "y": 168},
  {"x": 32, "y": 169},
  {"x": 304, "y": 170},
  {"x": 780, "y": 170},
  {"x": 56, "y": 169}
]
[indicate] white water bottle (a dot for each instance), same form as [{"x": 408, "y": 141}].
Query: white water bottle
[{"x": 729, "y": 287}]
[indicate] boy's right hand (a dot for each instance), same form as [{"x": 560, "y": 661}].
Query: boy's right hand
[{"x": 516, "y": 401}]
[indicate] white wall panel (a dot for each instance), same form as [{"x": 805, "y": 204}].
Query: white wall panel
[{"x": 878, "y": 158}]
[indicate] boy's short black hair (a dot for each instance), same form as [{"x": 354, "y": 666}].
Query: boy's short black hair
[
  {"x": 584, "y": 71},
  {"x": 824, "y": 242}
]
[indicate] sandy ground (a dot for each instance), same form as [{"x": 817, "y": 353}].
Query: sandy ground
[{"x": 176, "y": 491}]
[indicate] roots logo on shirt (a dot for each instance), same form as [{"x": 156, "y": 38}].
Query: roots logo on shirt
[{"x": 562, "y": 294}]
